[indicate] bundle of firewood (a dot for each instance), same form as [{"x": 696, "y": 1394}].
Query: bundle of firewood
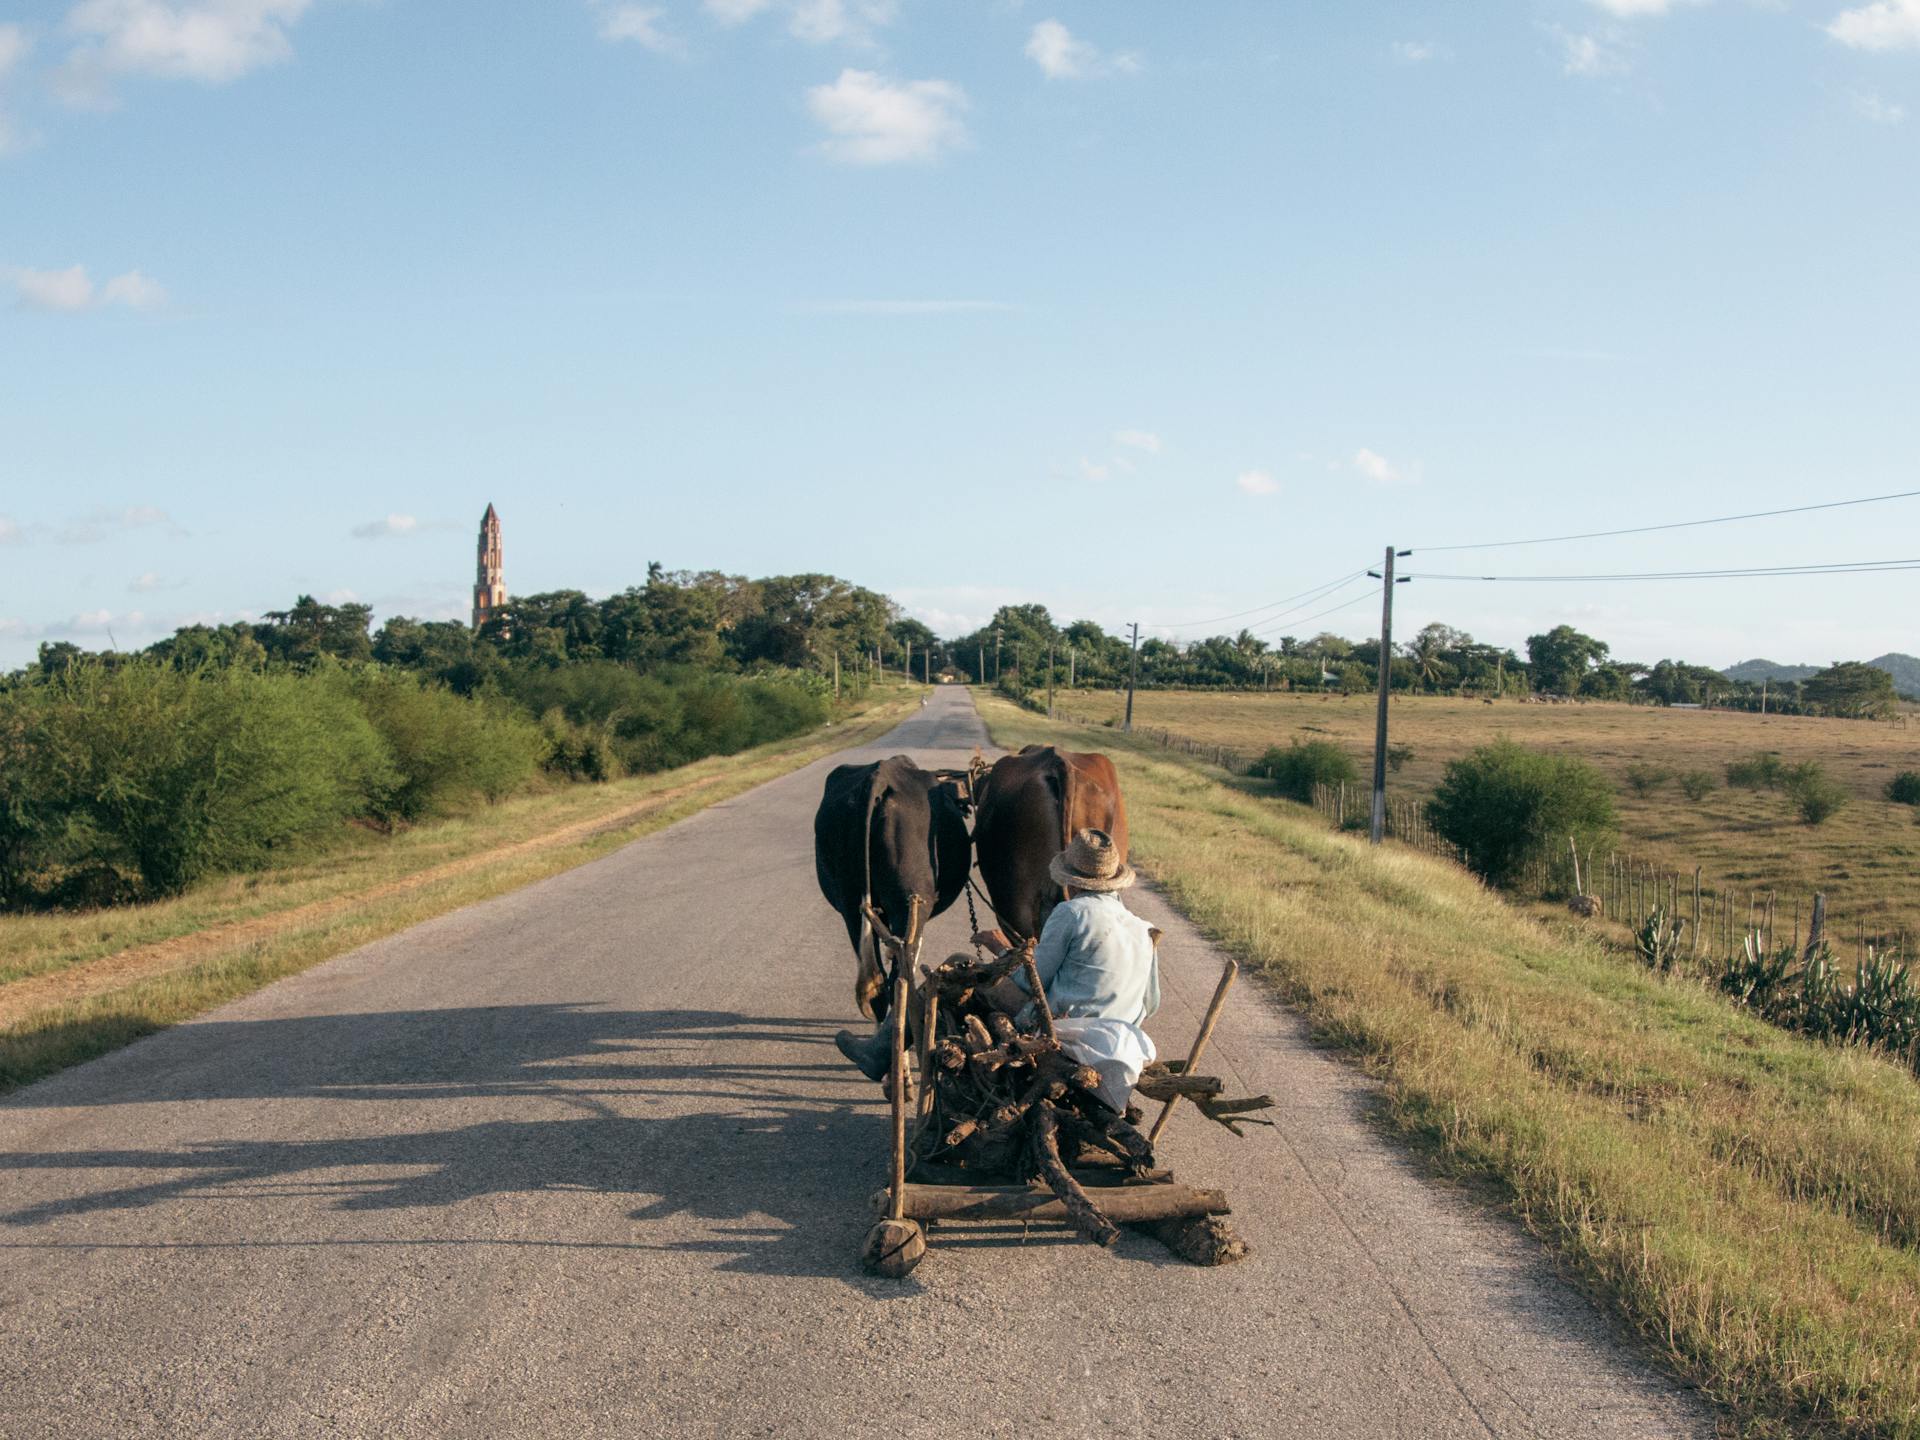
[{"x": 1007, "y": 1104}]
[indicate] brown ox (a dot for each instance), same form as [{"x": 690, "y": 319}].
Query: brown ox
[{"x": 1027, "y": 809}]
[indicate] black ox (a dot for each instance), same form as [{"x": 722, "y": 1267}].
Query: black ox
[{"x": 887, "y": 832}]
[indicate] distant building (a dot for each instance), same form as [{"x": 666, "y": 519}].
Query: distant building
[{"x": 490, "y": 585}]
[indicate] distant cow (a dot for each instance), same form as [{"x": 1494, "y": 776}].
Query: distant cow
[
  {"x": 1025, "y": 812},
  {"x": 887, "y": 832}
]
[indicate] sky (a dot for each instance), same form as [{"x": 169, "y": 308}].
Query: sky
[{"x": 1147, "y": 311}]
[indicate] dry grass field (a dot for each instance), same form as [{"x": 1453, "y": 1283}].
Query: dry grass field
[
  {"x": 1747, "y": 1198},
  {"x": 1865, "y": 858}
]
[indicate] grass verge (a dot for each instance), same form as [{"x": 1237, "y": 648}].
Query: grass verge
[
  {"x": 1749, "y": 1200},
  {"x": 76, "y": 986}
]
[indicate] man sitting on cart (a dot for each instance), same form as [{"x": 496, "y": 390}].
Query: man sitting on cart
[{"x": 1096, "y": 961}]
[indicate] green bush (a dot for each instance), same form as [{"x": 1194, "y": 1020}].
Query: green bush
[
  {"x": 1816, "y": 795},
  {"x": 1398, "y": 755},
  {"x": 1507, "y": 807},
  {"x": 444, "y": 748},
  {"x": 1904, "y": 788},
  {"x": 1697, "y": 784},
  {"x": 1762, "y": 770},
  {"x": 1299, "y": 766},
  {"x": 176, "y": 775},
  {"x": 1645, "y": 779}
]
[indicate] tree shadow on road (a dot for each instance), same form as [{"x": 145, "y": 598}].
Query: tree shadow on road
[{"x": 696, "y": 1115}]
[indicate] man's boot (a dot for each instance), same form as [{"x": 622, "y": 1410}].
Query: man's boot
[{"x": 874, "y": 1054}]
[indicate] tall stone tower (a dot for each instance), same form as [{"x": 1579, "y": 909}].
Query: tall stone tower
[{"x": 490, "y": 586}]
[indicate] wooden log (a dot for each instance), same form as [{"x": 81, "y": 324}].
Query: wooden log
[
  {"x": 1126, "y": 1203},
  {"x": 1044, "y": 1145},
  {"x": 1199, "y": 1239},
  {"x": 1167, "y": 1087}
]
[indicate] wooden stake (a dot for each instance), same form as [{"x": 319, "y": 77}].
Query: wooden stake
[{"x": 1212, "y": 1018}]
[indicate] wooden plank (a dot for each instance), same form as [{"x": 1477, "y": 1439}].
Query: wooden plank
[{"x": 1124, "y": 1203}]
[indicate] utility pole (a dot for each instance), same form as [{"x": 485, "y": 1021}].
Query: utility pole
[
  {"x": 1387, "y": 582},
  {"x": 908, "y": 670},
  {"x": 983, "y": 663},
  {"x": 1133, "y": 674},
  {"x": 836, "y": 674},
  {"x": 1069, "y": 667},
  {"x": 1050, "y": 645},
  {"x": 1763, "y": 695},
  {"x": 996, "y": 657}
]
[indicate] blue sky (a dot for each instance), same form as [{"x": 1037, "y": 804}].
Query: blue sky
[{"x": 1147, "y": 311}]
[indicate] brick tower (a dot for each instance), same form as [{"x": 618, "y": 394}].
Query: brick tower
[{"x": 490, "y": 586}]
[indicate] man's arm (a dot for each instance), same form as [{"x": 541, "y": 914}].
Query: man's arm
[{"x": 1056, "y": 938}]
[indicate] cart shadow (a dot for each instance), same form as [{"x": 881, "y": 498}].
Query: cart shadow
[{"x": 722, "y": 1148}]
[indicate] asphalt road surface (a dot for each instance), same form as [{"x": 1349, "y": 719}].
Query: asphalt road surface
[{"x": 583, "y": 1161}]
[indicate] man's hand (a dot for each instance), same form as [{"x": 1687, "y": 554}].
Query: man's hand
[{"x": 993, "y": 940}]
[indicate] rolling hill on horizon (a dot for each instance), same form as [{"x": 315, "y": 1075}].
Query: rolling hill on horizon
[{"x": 1905, "y": 670}]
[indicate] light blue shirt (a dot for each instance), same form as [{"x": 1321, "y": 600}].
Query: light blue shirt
[{"x": 1096, "y": 962}]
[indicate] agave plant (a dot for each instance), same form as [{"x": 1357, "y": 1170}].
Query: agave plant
[{"x": 1658, "y": 939}]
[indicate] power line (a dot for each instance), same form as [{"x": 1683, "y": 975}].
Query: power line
[
  {"x": 1842, "y": 567},
  {"x": 1676, "y": 524},
  {"x": 1304, "y": 619},
  {"x": 1309, "y": 595}
]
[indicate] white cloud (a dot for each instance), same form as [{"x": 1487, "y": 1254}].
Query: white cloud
[
  {"x": 820, "y": 22},
  {"x": 1139, "y": 440},
  {"x": 875, "y": 121},
  {"x": 1095, "y": 471},
  {"x": 1257, "y": 482},
  {"x": 1060, "y": 56},
  {"x": 388, "y": 525},
  {"x": 64, "y": 290},
  {"x": 900, "y": 307},
  {"x": 1884, "y": 25},
  {"x": 149, "y": 583},
  {"x": 1418, "y": 52},
  {"x": 1382, "y": 471},
  {"x": 1870, "y": 106},
  {"x": 14, "y": 45},
  {"x": 12, "y": 532},
  {"x": 134, "y": 290},
  {"x": 1588, "y": 55},
  {"x": 71, "y": 290},
  {"x": 1634, "y": 9},
  {"x": 211, "y": 41},
  {"x": 104, "y": 524},
  {"x": 641, "y": 25}
]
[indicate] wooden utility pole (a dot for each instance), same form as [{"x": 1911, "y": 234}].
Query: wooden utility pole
[
  {"x": 1763, "y": 694},
  {"x": 1050, "y": 645},
  {"x": 907, "y": 670},
  {"x": 1133, "y": 674},
  {"x": 1385, "y": 576},
  {"x": 836, "y": 674},
  {"x": 1069, "y": 667},
  {"x": 996, "y": 657},
  {"x": 983, "y": 662}
]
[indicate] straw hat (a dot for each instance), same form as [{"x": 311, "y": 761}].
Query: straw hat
[{"x": 1091, "y": 863}]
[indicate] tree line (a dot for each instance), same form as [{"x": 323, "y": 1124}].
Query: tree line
[
  {"x": 1022, "y": 647},
  {"x": 233, "y": 747}
]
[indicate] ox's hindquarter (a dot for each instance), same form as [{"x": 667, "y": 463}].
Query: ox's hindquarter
[{"x": 1034, "y": 803}]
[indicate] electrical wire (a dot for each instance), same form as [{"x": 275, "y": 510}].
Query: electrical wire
[
  {"x": 1676, "y": 524},
  {"x": 1309, "y": 595},
  {"x": 1842, "y": 567},
  {"x": 1304, "y": 619}
]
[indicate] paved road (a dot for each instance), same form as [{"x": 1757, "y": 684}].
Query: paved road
[{"x": 583, "y": 1161}]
